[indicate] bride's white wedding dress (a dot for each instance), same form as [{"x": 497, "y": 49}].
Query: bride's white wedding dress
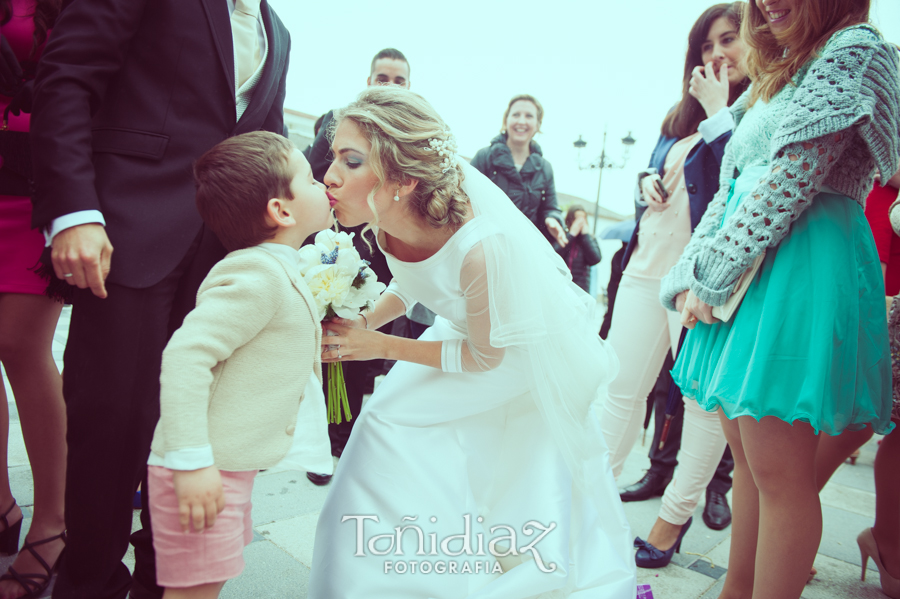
[{"x": 498, "y": 453}]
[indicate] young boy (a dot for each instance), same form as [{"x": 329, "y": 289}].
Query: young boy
[{"x": 234, "y": 373}]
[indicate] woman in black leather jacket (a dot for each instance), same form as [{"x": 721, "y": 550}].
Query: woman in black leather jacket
[{"x": 514, "y": 163}]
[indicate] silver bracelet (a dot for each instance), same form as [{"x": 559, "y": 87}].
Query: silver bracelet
[{"x": 366, "y": 319}]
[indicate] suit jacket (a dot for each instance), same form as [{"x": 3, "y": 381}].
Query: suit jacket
[
  {"x": 319, "y": 151},
  {"x": 233, "y": 375},
  {"x": 129, "y": 93}
]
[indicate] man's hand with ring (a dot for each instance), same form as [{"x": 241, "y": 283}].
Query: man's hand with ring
[{"x": 81, "y": 255}]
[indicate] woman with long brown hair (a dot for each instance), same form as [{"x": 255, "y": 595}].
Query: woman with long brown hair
[
  {"x": 672, "y": 195},
  {"x": 27, "y": 323},
  {"x": 806, "y": 351}
]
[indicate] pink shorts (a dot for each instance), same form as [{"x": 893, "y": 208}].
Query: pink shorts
[{"x": 191, "y": 559}]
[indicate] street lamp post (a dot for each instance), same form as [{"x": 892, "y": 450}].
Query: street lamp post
[{"x": 601, "y": 163}]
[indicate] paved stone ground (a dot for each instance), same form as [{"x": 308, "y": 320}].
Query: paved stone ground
[{"x": 286, "y": 506}]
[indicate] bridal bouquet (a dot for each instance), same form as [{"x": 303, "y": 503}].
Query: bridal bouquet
[{"x": 343, "y": 285}]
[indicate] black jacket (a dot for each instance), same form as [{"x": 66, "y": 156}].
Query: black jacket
[
  {"x": 129, "y": 93},
  {"x": 319, "y": 151},
  {"x": 580, "y": 254},
  {"x": 531, "y": 189}
]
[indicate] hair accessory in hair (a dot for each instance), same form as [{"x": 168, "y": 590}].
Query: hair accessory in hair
[{"x": 444, "y": 146}]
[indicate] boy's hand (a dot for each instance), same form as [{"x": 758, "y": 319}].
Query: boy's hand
[{"x": 200, "y": 497}]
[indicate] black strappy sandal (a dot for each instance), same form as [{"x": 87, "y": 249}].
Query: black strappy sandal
[
  {"x": 9, "y": 537},
  {"x": 35, "y": 583}
]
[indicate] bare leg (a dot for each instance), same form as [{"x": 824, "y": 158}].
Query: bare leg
[
  {"x": 790, "y": 515},
  {"x": 6, "y": 498},
  {"x": 833, "y": 451},
  {"x": 745, "y": 524},
  {"x": 27, "y": 324},
  {"x": 887, "y": 503},
  {"x": 203, "y": 591}
]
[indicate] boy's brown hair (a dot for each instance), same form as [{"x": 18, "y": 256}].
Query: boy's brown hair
[{"x": 235, "y": 181}]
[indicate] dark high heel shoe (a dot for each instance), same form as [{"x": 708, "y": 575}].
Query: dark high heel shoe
[
  {"x": 648, "y": 556},
  {"x": 35, "y": 583},
  {"x": 868, "y": 547},
  {"x": 9, "y": 537}
]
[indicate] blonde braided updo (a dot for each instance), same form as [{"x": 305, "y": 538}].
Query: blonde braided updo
[{"x": 410, "y": 141}]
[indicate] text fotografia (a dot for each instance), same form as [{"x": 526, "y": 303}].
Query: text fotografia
[{"x": 503, "y": 544}]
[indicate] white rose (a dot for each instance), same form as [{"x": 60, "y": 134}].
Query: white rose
[
  {"x": 329, "y": 285},
  {"x": 328, "y": 239},
  {"x": 365, "y": 296},
  {"x": 349, "y": 257},
  {"x": 310, "y": 255}
]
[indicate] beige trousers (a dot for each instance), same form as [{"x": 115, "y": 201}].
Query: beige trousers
[{"x": 641, "y": 333}]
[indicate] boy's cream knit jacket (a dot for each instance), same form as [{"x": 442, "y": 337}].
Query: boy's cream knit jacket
[{"x": 233, "y": 375}]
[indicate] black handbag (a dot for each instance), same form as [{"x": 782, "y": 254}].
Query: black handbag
[{"x": 15, "y": 160}]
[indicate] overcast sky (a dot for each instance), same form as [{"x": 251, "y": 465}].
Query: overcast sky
[{"x": 604, "y": 63}]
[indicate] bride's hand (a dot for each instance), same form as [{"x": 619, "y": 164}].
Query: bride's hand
[
  {"x": 353, "y": 343},
  {"x": 357, "y": 322}
]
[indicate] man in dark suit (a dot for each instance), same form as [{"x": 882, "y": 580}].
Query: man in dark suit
[{"x": 128, "y": 94}]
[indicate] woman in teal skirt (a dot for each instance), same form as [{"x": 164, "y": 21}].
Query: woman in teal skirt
[{"x": 807, "y": 350}]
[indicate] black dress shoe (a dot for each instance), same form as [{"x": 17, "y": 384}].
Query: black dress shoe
[
  {"x": 716, "y": 514},
  {"x": 318, "y": 479},
  {"x": 652, "y": 485}
]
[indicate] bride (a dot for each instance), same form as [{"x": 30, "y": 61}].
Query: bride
[{"x": 477, "y": 469}]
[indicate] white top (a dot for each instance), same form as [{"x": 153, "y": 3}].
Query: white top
[{"x": 452, "y": 283}]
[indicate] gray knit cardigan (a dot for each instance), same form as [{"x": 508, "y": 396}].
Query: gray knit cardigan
[{"x": 844, "y": 121}]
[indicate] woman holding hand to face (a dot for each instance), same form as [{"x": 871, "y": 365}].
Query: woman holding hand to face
[
  {"x": 582, "y": 251},
  {"x": 672, "y": 195},
  {"x": 807, "y": 350}
]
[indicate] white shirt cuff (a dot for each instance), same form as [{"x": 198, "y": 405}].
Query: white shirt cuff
[
  {"x": 189, "y": 458},
  {"x": 717, "y": 125},
  {"x": 73, "y": 219}
]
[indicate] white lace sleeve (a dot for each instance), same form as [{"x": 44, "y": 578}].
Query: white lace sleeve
[{"x": 475, "y": 353}]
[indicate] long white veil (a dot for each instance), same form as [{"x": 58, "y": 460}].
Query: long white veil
[{"x": 534, "y": 304}]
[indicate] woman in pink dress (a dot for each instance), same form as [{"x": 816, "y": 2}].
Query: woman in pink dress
[{"x": 27, "y": 323}]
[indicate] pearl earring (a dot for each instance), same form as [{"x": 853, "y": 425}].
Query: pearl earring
[{"x": 397, "y": 196}]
